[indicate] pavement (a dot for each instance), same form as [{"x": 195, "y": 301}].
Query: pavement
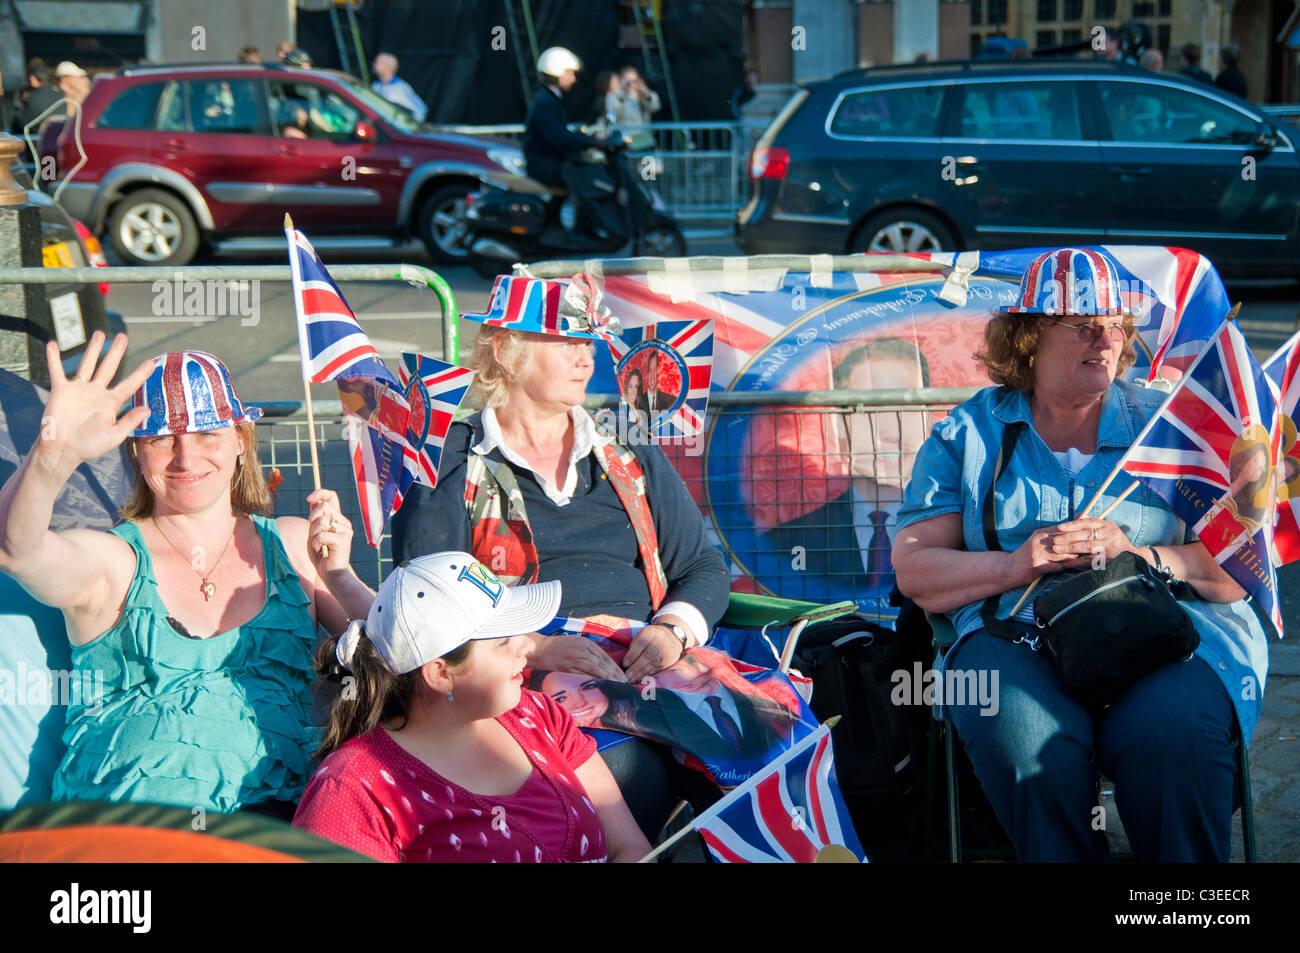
[{"x": 1275, "y": 748}]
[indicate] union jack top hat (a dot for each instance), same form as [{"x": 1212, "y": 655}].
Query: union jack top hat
[
  {"x": 568, "y": 309},
  {"x": 188, "y": 392},
  {"x": 1070, "y": 281}
]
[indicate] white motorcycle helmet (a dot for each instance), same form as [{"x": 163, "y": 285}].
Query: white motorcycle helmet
[{"x": 556, "y": 61}]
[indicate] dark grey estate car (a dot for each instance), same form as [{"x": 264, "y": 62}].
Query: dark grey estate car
[{"x": 996, "y": 155}]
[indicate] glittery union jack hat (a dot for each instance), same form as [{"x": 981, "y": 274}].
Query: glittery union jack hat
[
  {"x": 1070, "y": 281},
  {"x": 188, "y": 392},
  {"x": 568, "y": 309}
]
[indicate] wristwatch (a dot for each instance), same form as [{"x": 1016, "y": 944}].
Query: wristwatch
[{"x": 682, "y": 635}]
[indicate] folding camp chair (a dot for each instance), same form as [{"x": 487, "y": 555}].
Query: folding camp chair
[
  {"x": 942, "y": 733},
  {"x": 753, "y": 612}
]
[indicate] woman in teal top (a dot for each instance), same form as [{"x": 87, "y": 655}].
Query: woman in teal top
[{"x": 198, "y": 613}]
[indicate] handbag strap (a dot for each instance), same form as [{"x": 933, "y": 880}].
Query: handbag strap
[{"x": 989, "y": 610}]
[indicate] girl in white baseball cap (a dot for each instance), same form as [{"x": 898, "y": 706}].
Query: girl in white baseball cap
[{"x": 435, "y": 752}]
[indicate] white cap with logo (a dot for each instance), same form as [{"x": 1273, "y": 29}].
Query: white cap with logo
[{"x": 434, "y": 604}]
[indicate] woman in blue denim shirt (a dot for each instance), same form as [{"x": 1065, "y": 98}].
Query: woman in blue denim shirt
[{"x": 1167, "y": 741}]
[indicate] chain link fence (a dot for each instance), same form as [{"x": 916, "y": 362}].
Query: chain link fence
[{"x": 799, "y": 492}]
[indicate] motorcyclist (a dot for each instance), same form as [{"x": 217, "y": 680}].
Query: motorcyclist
[{"x": 547, "y": 139}]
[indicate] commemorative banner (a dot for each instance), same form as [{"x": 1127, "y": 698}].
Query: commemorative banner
[{"x": 802, "y": 500}]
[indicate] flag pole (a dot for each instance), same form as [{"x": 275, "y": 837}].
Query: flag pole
[
  {"x": 1104, "y": 513},
  {"x": 735, "y": 792},
  {"x": 666, "y": 844},
  {"x": 296, "y": 274}
]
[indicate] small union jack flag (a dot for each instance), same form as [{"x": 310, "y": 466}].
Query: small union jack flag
[
  {"x": 330, "y": 340},
  {"x": 789, "y": 812},
  {"x": 434, "y": 391},
  {"x": 1212, "y": 454},
  {"x": 673, "y": 390},
  {"x": 1283, "y": 368},
  {"x": 395, "y": 430}
]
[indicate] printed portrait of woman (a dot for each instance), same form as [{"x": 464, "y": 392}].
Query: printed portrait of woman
[
  {"x": 633, "y": 388},
  {"x": 593, "y": 702},
  {"x": 1251, "y": 477}
]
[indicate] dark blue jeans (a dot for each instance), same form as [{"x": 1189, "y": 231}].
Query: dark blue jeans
[{"x": 1167, "y": 743}]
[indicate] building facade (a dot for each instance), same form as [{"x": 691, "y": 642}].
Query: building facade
[
  {"x": 799, "y": 40},
  {"x": 102, "y": 35}
]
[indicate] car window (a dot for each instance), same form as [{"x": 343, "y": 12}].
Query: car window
[
  {"x": 132, "y": 108},
  {"x": 908, "y": 112},
  {"x": 229, "y": 106},
  {"x": 1149, "y": 113},
  {"x": 307, "y": 111},
  {"x": 394, "y": 114},
  {"x": 1041, "y": 111},
  {"x": 172, "y": 113}
]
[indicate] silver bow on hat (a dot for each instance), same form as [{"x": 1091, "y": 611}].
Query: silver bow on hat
[{"x": 580, "y": 308}]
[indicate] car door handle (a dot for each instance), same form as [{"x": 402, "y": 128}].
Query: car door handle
[
  {"x": 176, "y": 145},
  {"x": 286, "y": 150}
]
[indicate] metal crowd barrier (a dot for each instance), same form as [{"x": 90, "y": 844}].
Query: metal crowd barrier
[
  {"x": 699, "y": 169},
  {"x": 792, "y": 453}
]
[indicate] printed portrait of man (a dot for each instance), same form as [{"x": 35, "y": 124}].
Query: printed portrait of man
[
  {"x": 847, "y": 540},
  {"x": 654, "y": 401},
  {"x": 727, "y": 723}
]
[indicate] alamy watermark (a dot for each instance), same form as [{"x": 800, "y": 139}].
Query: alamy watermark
[
  {"x": 40, "y": 687},
  {"x": 214, "y": 298},
  {"x": 130, "y": 907},
  {"x": 950, "y": 687},
  {"x": 611, "y": 423}
]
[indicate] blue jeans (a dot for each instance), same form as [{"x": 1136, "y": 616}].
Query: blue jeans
[{"x": 1167, "y": 743}]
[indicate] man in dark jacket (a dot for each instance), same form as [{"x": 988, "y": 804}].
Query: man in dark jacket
[
  {"x": 1191, "y": 67},
  {"x": 547, "y": 139},
  {"x": 43, "y": 95},
  {"x": 1231, "y": 79}
]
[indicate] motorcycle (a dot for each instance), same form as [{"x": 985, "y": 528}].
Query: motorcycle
[{"x": 518, "y": 219}]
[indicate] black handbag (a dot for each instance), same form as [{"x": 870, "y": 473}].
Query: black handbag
[{"x": 1105, "y": 628}]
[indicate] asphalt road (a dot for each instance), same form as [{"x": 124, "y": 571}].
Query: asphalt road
[{"x": 257, "y": 340}]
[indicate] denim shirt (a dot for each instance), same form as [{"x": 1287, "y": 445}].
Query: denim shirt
[{"x": 952, "y": 474}]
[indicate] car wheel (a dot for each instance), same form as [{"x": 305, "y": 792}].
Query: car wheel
[
  {"x": 153, "y": 227},
  {"x": 662, "y": 241},
  {"x": 905, "y": 230},
  {"x": 441, "y": 224}
]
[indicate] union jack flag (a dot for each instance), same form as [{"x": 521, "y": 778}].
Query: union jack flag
[
  {"x": 434, "y": 390},
  {"x": 1212, "y": 452},
  {"x": 395, "y": 430},
  {"x": 330, "y": 340},
  {"x": 787, "y": 813},
  {"x": 1283, "y": 368},
  {"x": 686, "y": 362}
]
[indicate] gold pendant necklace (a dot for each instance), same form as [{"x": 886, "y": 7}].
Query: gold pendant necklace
[{"x": 206, "y": 586}]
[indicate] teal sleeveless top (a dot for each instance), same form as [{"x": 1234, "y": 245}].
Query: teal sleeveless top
[{"x": 215, "y": 723}]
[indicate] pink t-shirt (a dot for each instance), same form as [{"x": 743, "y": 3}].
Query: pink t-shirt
[{"x": 373, "y": 796}]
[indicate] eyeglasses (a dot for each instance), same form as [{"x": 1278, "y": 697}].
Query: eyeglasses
[{"x": 1090, "y": 332}]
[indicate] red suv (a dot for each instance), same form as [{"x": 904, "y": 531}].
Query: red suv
[{"x": 181, "y": 156}]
